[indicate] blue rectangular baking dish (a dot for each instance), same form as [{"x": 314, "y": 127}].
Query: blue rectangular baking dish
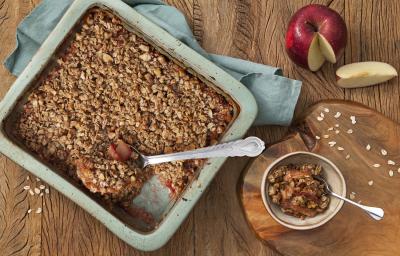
[{"x": 169, "y": 213}]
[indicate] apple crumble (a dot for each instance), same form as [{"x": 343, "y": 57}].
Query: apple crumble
[
  {"x": 108, "y": 85},
  {"x": 296, "y": 191}
]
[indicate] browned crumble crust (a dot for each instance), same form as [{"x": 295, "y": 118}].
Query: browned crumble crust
[{"x": 111, "y": 84}]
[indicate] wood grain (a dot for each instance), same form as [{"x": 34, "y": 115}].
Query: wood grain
[
  {"x": 351, "y": 231},
  {"x": 252, "y": 30}
]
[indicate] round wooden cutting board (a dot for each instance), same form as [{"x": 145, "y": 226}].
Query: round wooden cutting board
[{"x": 351, "y": 231}]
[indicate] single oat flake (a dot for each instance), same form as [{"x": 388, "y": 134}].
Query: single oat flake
[
  {"x": 391, "y": 173},
  {"x": 390, "y": 162},
  {"x": 352, "y": 196},
  {"x": 332, "y": 143},
  {"x": 376, "y": 165},
  {"x": 337, "y": 131},
  {"x": 383, "y": 152},
  {"x": 319, "y": 118},
  {"x": 337, "y": 115},
  {"x": 350, "y": 131},
  {"x": 30, "y": 210},
  {"x": 27, "y": 187},
  {"x": 368, "y": 147},
  {"x": 347, "y": 157},
  {"x": 371, "y": 182},
  {"x": 340, "y": 148},
  {"x": 330, "y": 129},
  {"x": 353, "y": 119},
  {"x": 322, "y": 115},
  {"x": 39, "y": 210},
  {"x": 326, "y": 110},
  {"x": 326, "y": 136}
]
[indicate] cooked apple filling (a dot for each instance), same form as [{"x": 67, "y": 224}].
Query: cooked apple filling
[{"x": 296, "y": 191}]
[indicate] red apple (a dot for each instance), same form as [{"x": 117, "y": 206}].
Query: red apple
[{"x": 316, "y": 33}]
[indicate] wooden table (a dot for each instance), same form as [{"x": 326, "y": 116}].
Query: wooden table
[{"x": 248, "y": 29}]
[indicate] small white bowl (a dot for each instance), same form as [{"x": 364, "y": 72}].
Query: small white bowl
[{"x": 330, "y": 173}]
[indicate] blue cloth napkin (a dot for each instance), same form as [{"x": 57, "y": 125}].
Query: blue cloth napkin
[{"x": 276, "y": 95}]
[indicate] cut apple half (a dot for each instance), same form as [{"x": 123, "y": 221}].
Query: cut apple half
[
  {"x": 315, "y": 58},
  {"x": 362, "y": 74}
]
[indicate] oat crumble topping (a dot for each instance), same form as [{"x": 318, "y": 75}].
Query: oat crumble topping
[{"x": 110, "y": 84}]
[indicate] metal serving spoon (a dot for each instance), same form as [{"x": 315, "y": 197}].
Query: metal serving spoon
[
  {"x": 251, "y": 146},
  {"x": 374, "y": 212}
]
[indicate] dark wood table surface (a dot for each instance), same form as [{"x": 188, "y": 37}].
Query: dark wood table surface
[{"x": 248, "y": 29}]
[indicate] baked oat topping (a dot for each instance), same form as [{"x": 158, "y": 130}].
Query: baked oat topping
[{"x": 110, "y": 84}]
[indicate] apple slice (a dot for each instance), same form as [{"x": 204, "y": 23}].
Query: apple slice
[
  {"x": 315, "y": 57},
  {"x": 362, "y": 74},
  {"x": 326, "y": 49}
]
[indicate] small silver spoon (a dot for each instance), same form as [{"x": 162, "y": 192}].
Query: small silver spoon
[
  {"x": 251, "y": 146},
  {"x": 374, "y": 212}
]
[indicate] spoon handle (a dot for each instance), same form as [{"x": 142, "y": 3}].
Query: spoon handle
[
  {"x": 375, "y": 212},
  {"x": 251, "y": 146}
]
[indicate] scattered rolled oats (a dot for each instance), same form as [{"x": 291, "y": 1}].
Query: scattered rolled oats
[
  {"x": 332, "y": 143},
  {"x": 383, "y": 152},
  {"x": 337, "y": 115},
  {"x": 330, "y": 129},
  {"x": 350, "y": 131},
  {"x": 41, "y": 187},
  {"x": 376, "y": 165},
  {"x": 322, "y": 115},
  {"x": 353, "y": 119},
  {"x": 371, "y": 182},
  {"x": 326, "y": 110},
  {"x": 391, "y": 173},
  {"x": 390, "y": 162},
  {"x": 37, "y": 191},
  {"x": 368, "y": 147},
  {"x": 320, "y": 118}
]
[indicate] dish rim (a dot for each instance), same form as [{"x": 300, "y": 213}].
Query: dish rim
[
  {"x": 264, "y": 195},
  {"x": 214, "y": 74}
]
